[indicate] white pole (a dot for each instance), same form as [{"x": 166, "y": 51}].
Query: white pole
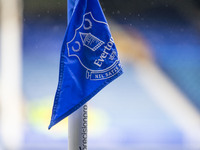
[
  {"x": 11, "y": 91},
  {"x": 77, "y": 122},
  {"x": 77, "y": 129}
]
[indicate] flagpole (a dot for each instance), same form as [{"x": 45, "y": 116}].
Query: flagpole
[
  {"x": 77, "y": 129},
  {"x": 76, "y": 87},
  {"x": 77, "y": 121}
]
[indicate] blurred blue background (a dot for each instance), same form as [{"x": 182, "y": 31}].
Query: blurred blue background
[{"x": 154, "y": 105}]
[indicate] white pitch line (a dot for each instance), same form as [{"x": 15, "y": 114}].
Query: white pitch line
[{"x": 171, "y": 100}]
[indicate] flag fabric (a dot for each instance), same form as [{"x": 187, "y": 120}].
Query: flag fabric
[{"x": 89, "y": 58}]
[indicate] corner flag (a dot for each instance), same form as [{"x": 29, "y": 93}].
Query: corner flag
[{"x": 89, "y": 59}]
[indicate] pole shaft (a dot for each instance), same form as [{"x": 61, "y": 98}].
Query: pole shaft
[
  {"x": 77, "y": 122},
  {"x": 77, "y": 129}
]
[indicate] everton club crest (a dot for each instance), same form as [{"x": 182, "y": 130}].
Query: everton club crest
[{"x": 95, "y": 49}]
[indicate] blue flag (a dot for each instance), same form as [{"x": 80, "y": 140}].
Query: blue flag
[{"x": 89, "y": 59}]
